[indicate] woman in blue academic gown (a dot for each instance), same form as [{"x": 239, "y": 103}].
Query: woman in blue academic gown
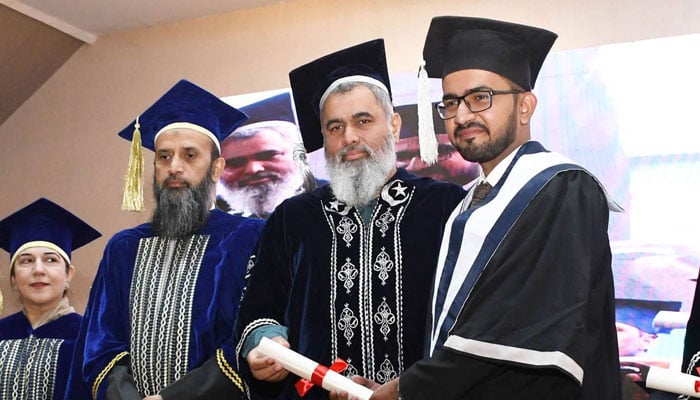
[{"x": 36, "y": 344}]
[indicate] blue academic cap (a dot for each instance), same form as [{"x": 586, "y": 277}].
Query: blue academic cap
[
  {"x": 511, "y": 50},
  {"x": 44, "y": 223},
  {"x": 641, "y": 313},
  {"x": 275, "y": 108},
  {"x": 310, "y": 82},
  {"x": 185, "y": 105}
]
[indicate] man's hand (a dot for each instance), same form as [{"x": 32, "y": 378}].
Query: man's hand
[
  {"x": 388, "y": 391},
  {"x": 154, "y": 397},
  {"x": 265, "y": 368},
  {"x": 334, "y": 395}
]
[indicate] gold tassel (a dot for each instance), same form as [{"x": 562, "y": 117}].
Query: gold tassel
[
  {"x": 133, "y": 187},
  {"x": 426, "y": 130}
]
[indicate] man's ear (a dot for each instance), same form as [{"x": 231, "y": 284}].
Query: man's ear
[
  {"x": 396, "y": 125},
  {"x": 528, "y": 103},
  {"x": 217, "y": 168}
]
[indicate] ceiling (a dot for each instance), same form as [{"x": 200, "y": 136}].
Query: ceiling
[{"x": 38, "y": 36}]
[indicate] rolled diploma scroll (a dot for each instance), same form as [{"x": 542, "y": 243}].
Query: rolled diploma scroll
[
  {"x": 674, "y": 382},
  {"x": 304, "y": 367}
]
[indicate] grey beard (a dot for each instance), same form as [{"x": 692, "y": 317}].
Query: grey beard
[
  {"x": 260, "y": 200},
  {"x": 181, "y": 212},
  {"x": 357, "y": 183}
]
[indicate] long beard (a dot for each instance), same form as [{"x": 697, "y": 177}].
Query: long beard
[
  {"x": 357, "y": 183},
  {"x": 491, "y": 149},
  {"x": 181, "y": 212},
  {"x": 260, "y": 200}
]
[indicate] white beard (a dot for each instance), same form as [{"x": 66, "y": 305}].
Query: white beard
[
  {"x": 357, "y": 183},
  {"x": 261, "y": 199}
]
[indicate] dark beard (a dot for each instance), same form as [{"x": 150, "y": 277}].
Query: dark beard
[
  {"x": 492, "y": 149},
  {"x": 181, "y": 212}
]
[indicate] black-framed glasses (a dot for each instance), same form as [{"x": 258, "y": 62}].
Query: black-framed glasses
[{"x": 476, "y": 100}]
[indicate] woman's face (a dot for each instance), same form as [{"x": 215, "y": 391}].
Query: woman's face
[{"x": 41, "y": 277}]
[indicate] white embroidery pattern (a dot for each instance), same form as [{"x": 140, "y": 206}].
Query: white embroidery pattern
[
  {"x": 350, "y": 371},
  {"x": 384, "y": 220},
  {"x": 384, "y": 318},
  {"x": 346, "y": 323},
  {"x": 365, "y": 269},
  {"x": 28, "y": 367},
  {"x": 161, "y": 302},
  {"x": 383, "y": 264},
  {"x": 347, "y": 273},
  {"x": 346, "y": 228},
  {"x": 387, "y": 371}
]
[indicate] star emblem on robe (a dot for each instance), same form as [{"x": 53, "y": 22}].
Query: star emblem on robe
[
  {"x": 335, "y": 205},
  {"x": 395, "y": 192},
  {"x": 399, "y": 190}
]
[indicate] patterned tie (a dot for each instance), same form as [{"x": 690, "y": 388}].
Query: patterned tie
[{"x": 482, "y": 190}]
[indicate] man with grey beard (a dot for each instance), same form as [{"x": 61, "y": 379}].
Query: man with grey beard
[
  {"x": 345, "y": 270},
  {"x": 160, "y": 316}
]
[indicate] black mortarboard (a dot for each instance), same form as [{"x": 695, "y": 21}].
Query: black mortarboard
[
  {"x": 44, "y": 223},
  {"x": 641, "y": 313},
  {"x": 185, "y": 105},
  {"x": 511, "y": 50},
  {"x": 310, "y": 81}
]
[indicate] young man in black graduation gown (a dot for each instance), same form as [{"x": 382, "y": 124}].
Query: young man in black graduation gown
[{"x": 523, "y": 304}]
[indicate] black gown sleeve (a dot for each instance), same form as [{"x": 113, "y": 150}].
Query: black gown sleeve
[
  {"x": 207, "y": 382},
  {"x": 120, "y": 383},
  {"x": 450, "y": 375}
]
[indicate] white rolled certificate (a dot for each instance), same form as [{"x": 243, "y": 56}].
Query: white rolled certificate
[
  {"x": 311, "y": 370},
  {"x": 674, "y": 382}
]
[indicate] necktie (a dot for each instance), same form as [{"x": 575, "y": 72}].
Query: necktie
[{"x": 482, "y": 190}]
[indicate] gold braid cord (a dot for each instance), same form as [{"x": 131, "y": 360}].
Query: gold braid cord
[
  {"x": 105, "y": 371},
  {"x": 230, "y": 373}
]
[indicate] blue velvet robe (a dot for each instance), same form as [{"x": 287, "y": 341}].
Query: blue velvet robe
[
  {"x": 34, "y": 363},
  {"x": 345, "y": 288},
  {"x": 167, "y": 316}
]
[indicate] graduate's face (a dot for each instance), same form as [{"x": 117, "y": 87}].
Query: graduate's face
[
  {"x": 41, "y": 276},
  {"x": 183, "y": 158},
  {"x": 354, "y": 125},
  {"x": 487, "y": 136}
]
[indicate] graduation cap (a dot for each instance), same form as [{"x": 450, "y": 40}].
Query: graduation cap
[
  {"x": 641, "y": 313},
  {"x": 185, "y": 105},
  {"x": 312, "y": 82},
  {"x": 44, "y": 223},
  {"x": 511, "y": 50}
]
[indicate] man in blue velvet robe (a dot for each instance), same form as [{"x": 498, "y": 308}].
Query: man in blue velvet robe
[
  {"x": 345, "y": 270},
  {"x": 159, "y": 322}
]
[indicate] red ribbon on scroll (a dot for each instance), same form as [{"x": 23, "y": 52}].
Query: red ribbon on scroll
[{"x": 317, "y": 376}]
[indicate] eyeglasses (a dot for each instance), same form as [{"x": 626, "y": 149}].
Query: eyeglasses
[{"x": 476, "y": 100}]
